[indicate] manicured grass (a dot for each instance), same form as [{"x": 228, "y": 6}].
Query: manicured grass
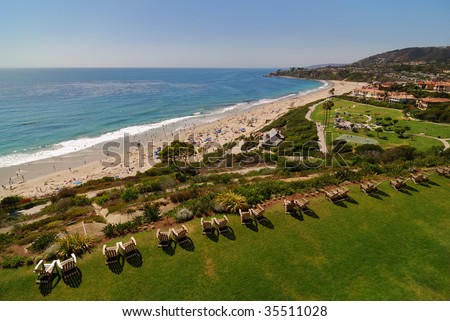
[
  {"x": 356, "y": 112},
  {"x": 395, "y": 247},
  {"x": 387, "y": 140}
]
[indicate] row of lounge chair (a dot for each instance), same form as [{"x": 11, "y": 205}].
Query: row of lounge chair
[
  {"x": 45, "y": 271},
  {"x": 112, "y": 253}
]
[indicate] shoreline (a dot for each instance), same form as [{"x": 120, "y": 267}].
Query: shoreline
[{"x": 46, "y": 176}]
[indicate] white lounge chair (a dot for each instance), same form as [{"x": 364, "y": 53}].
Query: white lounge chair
[
  {"x": 44, "y": 271},
  {"x": 221, "y": 224},
  {"x": 129, "y": 247},
  {"x": 258, "y": 213},
  {"x": 68, "y": 267},
  {"x": 181, "y": 234},
  {"x": 163, "y": 238},
  {"x": 111, "y": 253},
  {"x": 245, "y": 217},
  {"x": 207, "y": 226}
]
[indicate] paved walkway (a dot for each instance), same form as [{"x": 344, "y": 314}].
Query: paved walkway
[
  {"x": 320, "y": 130},
  {"x": 442, "y": 140}
]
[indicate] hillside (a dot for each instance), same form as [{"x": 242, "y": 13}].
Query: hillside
[
  {"x": 407, "y": 64},
  {"x": 437, "y": 55}
]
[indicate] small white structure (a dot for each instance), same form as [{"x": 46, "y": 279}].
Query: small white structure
[{"x": 272, "y": 138}]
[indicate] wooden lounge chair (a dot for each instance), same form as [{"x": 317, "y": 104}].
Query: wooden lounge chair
[
  {"x": 129, "y": 247},
  {"x": 332, "y": 195},
  {"x": 443, "y": 171},
  {"x": 245, "y": 217},
  {"x": 302, "y": 203},
  {"x": 44, "y": 271},
  {"x": 342, "y": 192},
  {"x": 398, "y": 183},
  {"x": 181, "y": 234},
  {"x": 207, "y": 226},
  {"x": 419, "y": 178},
  {"x": 221, "y": 224},
  {"x": 111, "y": 253},
  {"x": 68, "y": 267},
  {"x": 258, "y": 213},
  {"x": 368, "y": 188},
  {"x": 289, "y": 206},
  {"x": 163, "y": 238}
]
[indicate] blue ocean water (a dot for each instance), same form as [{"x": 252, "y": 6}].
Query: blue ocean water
[{"x": 44, "y": 109}]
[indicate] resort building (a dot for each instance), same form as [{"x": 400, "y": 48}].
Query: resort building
[
  {"x": 369, "y": 93},
  {"x": 422, "y": 103},
  {"x": 400, "y": 97},
  {"x": 438, "y": 86}
]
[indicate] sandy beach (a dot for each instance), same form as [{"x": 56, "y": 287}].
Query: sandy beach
[{"x": 48, "y": 176}]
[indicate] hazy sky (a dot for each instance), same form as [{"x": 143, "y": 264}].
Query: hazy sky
[{"x": 213, "y": 33}]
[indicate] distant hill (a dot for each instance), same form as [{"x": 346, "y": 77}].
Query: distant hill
[
  {"x": 324, "y": 65},
  {"x": 440, "y": 55},
  {"x": 407, "y": 64}
]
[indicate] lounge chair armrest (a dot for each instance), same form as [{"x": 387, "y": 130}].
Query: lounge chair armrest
[
  {"x": 52, "y": 266},
  {"x": 38, "y": 266},
  {"x": 173, "y": 231},
  {"x": 104, "y": 249},
  {"x": 120, "y": 244},
  {"x": 74, "y": 258},
  {"x": 134, "y": 240},
  {"x": 226, "y": 218},
  {"x": 261, "y": 208},
  {"x": 185, "y": 228},
  {"x": 158, "y": 231},
  {"x": 58, "y": 262}
]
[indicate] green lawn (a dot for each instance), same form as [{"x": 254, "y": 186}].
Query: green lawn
[
  {"x": 358, "y": 112},
  {"x": 395, "y": 247},
  {"x": 386, "y": 140}
]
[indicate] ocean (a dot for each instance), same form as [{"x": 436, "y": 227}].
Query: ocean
[{"x": 52, "y": 112}]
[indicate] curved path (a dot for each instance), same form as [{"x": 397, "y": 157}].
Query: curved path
[
  {"x": 320, "y": 129},
  {"x": 442, "y": 140}
]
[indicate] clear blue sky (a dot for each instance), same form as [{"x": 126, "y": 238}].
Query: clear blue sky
[{"x": 213, "y": 33}]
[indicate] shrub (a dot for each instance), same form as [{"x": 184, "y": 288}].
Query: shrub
[
  {"x": 130, "y": 194},
  {"x": 183, "y": 196},
  {"x": 201, "y": 205},
  {"x": 42, "y": 242},
  {"x": 183, "y": 215},
  {"x": 66, "y": 192},
  {"x": 74, "y": 243},
  {"x": 6, "y": 239},
  {"x": 167, "y": 182},
  {"x": 80, "y": 200},
  {"x": 149, "y": 186},
  {"x": 51, "y": 253},
  {"x": 120, "y": 229},
  {"x": 252, "y": 193},
  {"x": 102, "y": 199},
  {"x": 232, "y": 202},
  {"x": 10, "y": 201},
  {"x": 60, "y": 206},
  {"x": 13, "y": 261},
  {"x": 151, "y": 212},
  {"x": 96, "y": 218}
]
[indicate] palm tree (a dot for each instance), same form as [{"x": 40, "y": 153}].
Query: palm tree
[{"x": 327, "y": 105}]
